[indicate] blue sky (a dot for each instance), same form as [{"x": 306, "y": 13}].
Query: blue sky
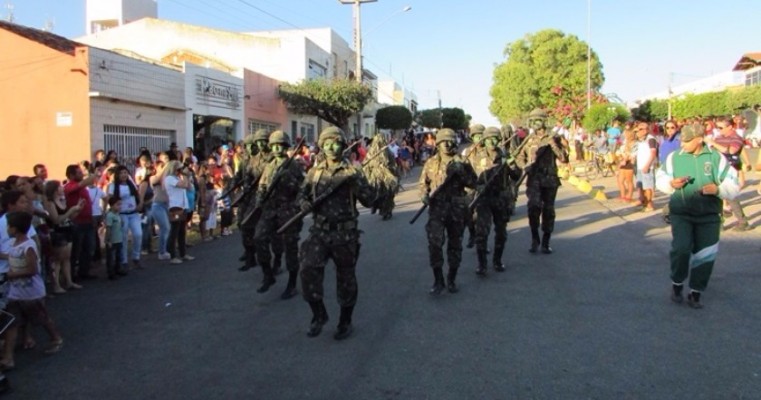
[{"x": 450, "y": 47}]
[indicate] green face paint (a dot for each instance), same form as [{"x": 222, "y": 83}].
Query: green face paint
[{"x": 333, "y": 149}]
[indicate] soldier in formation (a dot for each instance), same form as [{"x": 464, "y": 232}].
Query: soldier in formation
[
  {"x": 442, "y": 185},
  {"x": 494, "y": 198},
  {"x": 330, "y": 192},
  {"x": 247, "y": 178},
  {"x": 383, "y": 174},
  {"x": 470, "y": 154},
  {"x": 276, "y": 203},
  {"x": 538, "y": 158}
]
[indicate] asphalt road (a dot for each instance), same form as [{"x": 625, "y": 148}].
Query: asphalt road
[{"x": 591, "y": 321}]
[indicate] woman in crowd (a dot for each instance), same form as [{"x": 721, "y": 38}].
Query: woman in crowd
[
  {"x": 625, "y": 177},
  {"x": 176, "y": 183},
  {"x": 124, "y": 189},
  {"x": 61, "y": 235},
  {"x": 145, "y": 193},
  {"x": 159, "y": 209}
]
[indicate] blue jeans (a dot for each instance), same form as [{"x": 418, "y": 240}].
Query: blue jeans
[
  {"x": 160, "y": 214},
  {"x": 131, "y": 223}
]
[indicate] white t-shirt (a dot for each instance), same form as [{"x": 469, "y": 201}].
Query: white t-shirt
[
  {"x": 129, "y": 202},
  {"x": 96, "y": 195},
  {"x": 6, "y": 242},
  {"x": 29, "y": 288},
  {"x": 177, "y": 196},
  {"x": 394, "y": 149}
]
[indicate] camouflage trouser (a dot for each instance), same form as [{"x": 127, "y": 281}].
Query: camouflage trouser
[
  {"x": 266, "y": 237},
  {"x": 492, "y": 209},
  {"x": 386, "y": 204},
  {"x": 446, "y": 222},
  {"x": 343, "y": 248},
  {"x": 470, "y": 217},
  {"x": 541, "y": 203},
  {"x": 247, "y": 233}
]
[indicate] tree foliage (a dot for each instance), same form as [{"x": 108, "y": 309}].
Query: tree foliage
[
  {"x": 429, "y": 118},
  {"x": 600, "y": 116},
  {"x": 726, "y": 102},
  {"x": 546, "y": 70},
  {"x": 454, "y": 118},
  {"x": 393, "y": 117},
  {"x": 334, "y": 100}
]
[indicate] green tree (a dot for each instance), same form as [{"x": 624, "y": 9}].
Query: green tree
[
  {"x": 334, "y": 100},
  {"x": 600, "y": 116},
  {"x": 393, "y": 117},
  {"x": 454, "y": 118},
  {"x": 546, "y": 70},
  {"x": 429, "y": 118}
]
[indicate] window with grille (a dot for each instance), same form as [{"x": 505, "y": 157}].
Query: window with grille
[
  {"x": 127, "y": 141},
  {"x": 255, "y": 125}
]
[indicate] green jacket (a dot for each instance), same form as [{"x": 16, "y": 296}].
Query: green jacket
[{"x": 709, "y": 166}]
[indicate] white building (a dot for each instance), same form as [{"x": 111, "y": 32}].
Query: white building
[
  {"x": 281, "y": 55},
  {"x": 107, "y": 14},
  {"x": 714, "y": 83},
  {"x": 391, "y": 93},
  {"x": 135, "y": 104}
]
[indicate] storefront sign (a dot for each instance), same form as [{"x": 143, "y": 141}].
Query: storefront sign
[
  {"x": 64, "y": 118},
  {"x": 217, "y": 93}
]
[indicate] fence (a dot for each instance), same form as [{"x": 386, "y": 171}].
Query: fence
[{"x": 127, "y": 141}]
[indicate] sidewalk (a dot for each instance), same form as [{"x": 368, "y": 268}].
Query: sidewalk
[{"x": 605, "y": 190}]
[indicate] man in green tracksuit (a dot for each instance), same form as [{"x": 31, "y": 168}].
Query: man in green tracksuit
[{"x": 697, "y": 178}]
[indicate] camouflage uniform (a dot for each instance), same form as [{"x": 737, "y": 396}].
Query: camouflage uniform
[
  {"x": 495, "y": 200},
  {"x": 382, "y": 172},
  {"x": 249, "y": 174},
  {"x": 538, "y": 158},
  {"x": 334, "y": 234},
  {"x": 471, "y": 153},
  {"x": 279, "y": 207},
  {"x": 448, "y": 209}
]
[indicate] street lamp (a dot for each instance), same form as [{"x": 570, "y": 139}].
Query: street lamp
[
  {"x": 403, "y": 10},
  {"x": 357, "y": 34}
]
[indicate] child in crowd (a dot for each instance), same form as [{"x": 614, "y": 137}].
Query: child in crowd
[
  {"x": 210, "y": 209},
  {"x": 26, "y": 289},
  {"x": 114, "y": 238},
  {"x": 96, "y": 196},
  {"x": 224, "y": 204}
]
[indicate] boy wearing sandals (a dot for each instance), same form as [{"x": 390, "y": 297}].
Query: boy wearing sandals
[{"x": 26, "y": 292}]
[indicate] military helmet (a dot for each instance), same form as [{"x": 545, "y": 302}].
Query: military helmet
[
  {"x": 444, "y": 135},
  {"x": 261, "y": 134},
  {"x": 249, "y": 139},
  {"x": 537, "y": 113},
  {"x": 492, "y": 132},
  {"x": 331, "y": 132},
  {"x": 279, "y": 137},
  {"x": 477, "y": 129}
]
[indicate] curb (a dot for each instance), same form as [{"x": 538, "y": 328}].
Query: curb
[{"x": 584, "y": 186}]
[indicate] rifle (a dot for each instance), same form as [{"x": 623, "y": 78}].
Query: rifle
[
  {"x": 431, "y": 196},
  {"x": 539, "y": 155},
  {"x": 322, "y": 197},
  {"x": 256, "y": 212},
  {"x": 303, "y": 213}
]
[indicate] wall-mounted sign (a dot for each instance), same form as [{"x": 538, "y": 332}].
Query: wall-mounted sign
[
  {"x": 64, "y": 118},
  {"x": 217, "y": 93}
]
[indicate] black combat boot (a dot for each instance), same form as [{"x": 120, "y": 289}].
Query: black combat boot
[
  {"x": 693, "y": 299},
  {"x": 481, "y": 268},
  {"x": 497, "y": 258},
  {"x": 451, "y": 276},
  {"x": 438, "y": 283},
  {"x": 344, "y": 328},
  {"x": 534, "y": 241},
  {"x": 249, "y": 259},
  {"x": 268, "y": 279},
  {"x": 546, "y": 249},
  {"x": 319, "y": 318},
  {"x": 676, "y": 293},
  {"x": 290, "y": 289}
]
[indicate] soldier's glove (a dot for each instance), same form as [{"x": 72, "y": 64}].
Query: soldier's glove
[
  {"x": 306, "y": 205},
  {"x": 426, "y": 199}
]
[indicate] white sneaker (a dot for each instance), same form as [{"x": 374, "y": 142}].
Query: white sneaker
[
  {"x": 175, "y": 261},
  {"x": 188, "y": 257},
  {"x": 164, "y": 256}
]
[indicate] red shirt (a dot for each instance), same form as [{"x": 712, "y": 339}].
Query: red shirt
[{"x": 74, "y": 193}]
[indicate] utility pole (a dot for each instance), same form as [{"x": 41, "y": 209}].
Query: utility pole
[
  {"x": 441, "y": 113},
  {"x": 589, "y": 54},
  {"x": 358, "y": 48}
]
